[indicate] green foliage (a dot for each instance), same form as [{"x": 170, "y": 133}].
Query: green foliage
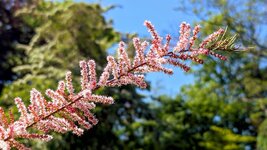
[
  {"x": 224, "y": 43},
  {"x": 12, "y": 30},
  {"x": 197, "y": 120},
  {"x": 224, "y": 139},
  {"x": 237, "y": 86},
  {"x": 262, "y": 136}
]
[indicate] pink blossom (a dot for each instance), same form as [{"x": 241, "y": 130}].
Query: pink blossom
[
  {"x": 84, "y": 74},
  {"x": 69, "y": 83},
  {"x": 61, "y": 87},
  {"x": 140, "y": 49},
  {"x": 92, "y": 74},
  {"x": 183, "y": 39},
  {"x": 22, "y": 109},
  {"x": 211, "y": 37},
  {"x": 194, "y": 37},
  {"x": 68, "y": 111},
  {"x": 103, "y": 79}
]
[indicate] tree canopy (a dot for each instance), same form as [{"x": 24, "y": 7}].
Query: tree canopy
[
  {"x": 12, "y": 30},
  {"x": 231, "y": 96}
]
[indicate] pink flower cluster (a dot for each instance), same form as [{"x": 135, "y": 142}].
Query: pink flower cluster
[{"x": 70, "y": 111}]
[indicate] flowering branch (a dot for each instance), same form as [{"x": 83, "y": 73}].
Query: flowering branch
[{"x": 70, "y": 111}]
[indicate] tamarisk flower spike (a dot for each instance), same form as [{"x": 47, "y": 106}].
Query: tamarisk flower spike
[{"x": 70, "y": 111}]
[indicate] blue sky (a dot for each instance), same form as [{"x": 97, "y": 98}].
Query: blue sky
[{"x": 129, "y": 18}]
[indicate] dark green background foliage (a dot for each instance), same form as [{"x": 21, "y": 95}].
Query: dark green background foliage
[
  {"x": 13, "y": 30},
  {"x": 224, "y": 109}
]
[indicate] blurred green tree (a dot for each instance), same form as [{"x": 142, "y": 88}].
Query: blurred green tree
[
  {"x": 192, "y": 121},
  {"x": 12, "y": 31},
  {"x": 232, "y": 94},
  {"x": 66, "y": 32}
]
